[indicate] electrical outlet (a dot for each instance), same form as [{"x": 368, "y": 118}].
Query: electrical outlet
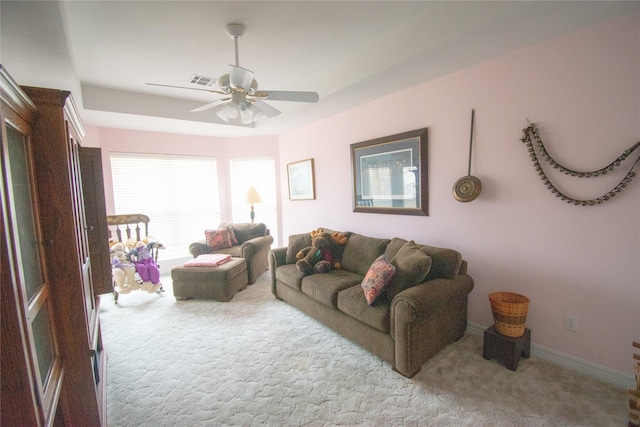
[{"x": 571, "y": 322}]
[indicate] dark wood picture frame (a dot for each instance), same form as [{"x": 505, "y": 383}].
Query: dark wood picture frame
[{"x": 390, "y": 174}]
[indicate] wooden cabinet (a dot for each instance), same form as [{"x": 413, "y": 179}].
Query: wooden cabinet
[
  {"x": 53, "y": 364},
  {"x": 30, "y": 360}
]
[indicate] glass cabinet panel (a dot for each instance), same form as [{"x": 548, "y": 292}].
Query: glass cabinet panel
[
  {"x": 22, "y": 204},
  {"x": 41, "y": 327},
  {"x": 33, "y": 296}
]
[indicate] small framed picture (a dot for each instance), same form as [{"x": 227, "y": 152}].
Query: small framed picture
[{"x": 301, "y": 183}]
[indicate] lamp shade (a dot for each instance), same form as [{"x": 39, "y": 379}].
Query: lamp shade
[{"x": 253, "y": 196}]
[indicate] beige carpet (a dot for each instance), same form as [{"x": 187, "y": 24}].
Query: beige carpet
[{"x": 257, "y": 361}]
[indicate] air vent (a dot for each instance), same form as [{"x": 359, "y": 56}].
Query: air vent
[{"x": 202, "y": 81}]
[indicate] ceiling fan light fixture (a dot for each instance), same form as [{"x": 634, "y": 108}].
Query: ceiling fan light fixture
[
  {"x": 220, "y": 113},
  {"x": 249, "y": 113},
  {"x": 246, "y": 117},
  {"x": 257, "y": 113},
  {"x": 229, "y": 111}
]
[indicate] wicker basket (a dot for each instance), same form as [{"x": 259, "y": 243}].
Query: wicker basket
[{"x": 509, "y": 312}]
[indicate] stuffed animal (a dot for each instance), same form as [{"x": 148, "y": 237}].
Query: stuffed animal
[
  {"x": 322, "y": 267},
  {"x": 122, "y": 269},
  {"x": 146, "y": 267},
  {"x": 130, "y": 243},
  {"x": 152, "y": 243},
  {"x": 320, "y": 250},
  {"x": 339, "y": 241}
]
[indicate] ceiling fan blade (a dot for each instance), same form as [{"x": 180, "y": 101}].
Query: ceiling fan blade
[
  {"x": 210, "y": 105},
  {"x": 283, "y": 95},
  {"x": 186, "y": 87},
  {"x": 240, "y": 77},
  {"x": 267, "y": 109}
]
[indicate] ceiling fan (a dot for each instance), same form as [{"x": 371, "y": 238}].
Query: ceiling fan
[{"x": 242, "y": 102}]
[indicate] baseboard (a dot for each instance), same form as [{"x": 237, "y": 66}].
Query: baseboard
[{"x": 593, "y": 370}]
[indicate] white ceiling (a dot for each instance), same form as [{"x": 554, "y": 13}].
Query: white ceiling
[{"x": 350, "y": 52}]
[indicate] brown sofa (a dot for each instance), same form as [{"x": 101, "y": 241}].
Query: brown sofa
[
  {"x": 254, "y": 243},
  {"x": 405, "y": 330}
]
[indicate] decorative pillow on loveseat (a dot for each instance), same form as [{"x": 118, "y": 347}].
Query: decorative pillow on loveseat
[
  {"x": 219, "y": 239},
  {"x": 412, "y": 266},
  {"x": 377, "y": 278}
]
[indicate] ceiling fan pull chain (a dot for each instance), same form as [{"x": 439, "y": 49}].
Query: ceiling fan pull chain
[{"x": 533, "y": 130}]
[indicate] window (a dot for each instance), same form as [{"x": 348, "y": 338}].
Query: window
[
  {"x": 260, "y": 173},
  {"x": 178, "y": 193}
]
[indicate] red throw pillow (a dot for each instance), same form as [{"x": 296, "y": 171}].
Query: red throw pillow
[
  {"x": 379, "y": 275},
  {"x": 218, "y": 239}
]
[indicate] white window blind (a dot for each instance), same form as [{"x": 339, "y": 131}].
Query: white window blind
[
  {"x": 178, "y": 193},
  {"x": 260, "y": 173}
]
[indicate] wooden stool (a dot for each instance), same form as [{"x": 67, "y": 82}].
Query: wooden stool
[{"x": 508, "y": 348}]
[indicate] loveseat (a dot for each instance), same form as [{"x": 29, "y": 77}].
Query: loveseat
[
  {"x": 252, "y": 242},
  {"x": 405, "y": 327}
]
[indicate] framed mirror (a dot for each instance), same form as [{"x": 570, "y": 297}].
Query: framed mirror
[{"x": 390, "y": 174}]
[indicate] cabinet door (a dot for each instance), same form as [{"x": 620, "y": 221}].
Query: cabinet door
[
  {"x": 31, "y": 362},
  {"x": 96, "y": 214}
]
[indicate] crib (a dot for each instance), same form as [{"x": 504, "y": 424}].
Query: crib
[{"x": 132, "y": 226}]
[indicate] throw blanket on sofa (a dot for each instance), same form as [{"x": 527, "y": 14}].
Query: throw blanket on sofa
[{"x": 208, "y": 260}]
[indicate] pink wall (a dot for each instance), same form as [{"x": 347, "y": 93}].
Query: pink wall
[
  {"x": 129, "y": 141},
  {"x": 583, "y": 91}
]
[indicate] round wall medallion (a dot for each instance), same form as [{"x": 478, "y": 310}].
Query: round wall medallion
[{"x": 467, "y": 189}]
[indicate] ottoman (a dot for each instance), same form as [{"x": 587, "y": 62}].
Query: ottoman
[{"x": 220, "y": 282}]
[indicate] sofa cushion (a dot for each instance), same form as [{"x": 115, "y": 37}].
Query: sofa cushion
[
  {"x": 412, "y": 266},
  {"x": 297, "y": 242},
  {"x": 361, "y": 251},
  {"x": 218, "y": 239},
  {"x": 289, "y": 275},
  {"x": 446, "y": 263},
  {"x": 352, "y": 301},
  {"x": 325, "y": 287},
  {"x": 377, "y": 278},
  {"x": 247, "y": 231},
  {"x": 394, "y": 246},
  {"x": 234, "y": 251}
]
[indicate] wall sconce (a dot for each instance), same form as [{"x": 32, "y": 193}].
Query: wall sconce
[{"x": 253, "y": 197}]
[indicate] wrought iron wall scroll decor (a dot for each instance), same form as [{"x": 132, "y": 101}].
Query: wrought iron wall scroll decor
[{"x": 532, "y": 130}]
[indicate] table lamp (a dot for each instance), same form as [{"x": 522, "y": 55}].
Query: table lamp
[{"x": 253, "y": 197}]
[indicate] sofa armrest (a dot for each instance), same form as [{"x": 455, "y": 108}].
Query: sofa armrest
[
  {"x": 199, "y": 248},
  {"x": 419, "y": 302},
  {"x": 256, "y": 252},
  {"x": 277, "y": 257},
  {"x": 427, "y": 317},
  {"x": 252, "y": 246}
]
